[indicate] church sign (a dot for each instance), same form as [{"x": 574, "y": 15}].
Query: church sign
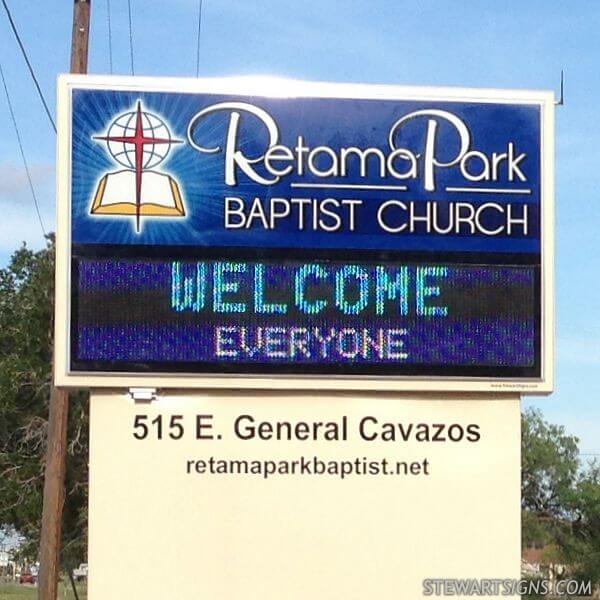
[{"x": 273, "y": 233}]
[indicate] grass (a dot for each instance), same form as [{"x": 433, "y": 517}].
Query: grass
[{"x": 10, "y": 591}]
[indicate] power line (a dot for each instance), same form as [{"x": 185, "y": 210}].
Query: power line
[
  {"x": 198, "y": 37},
  {"x": 14, "y": 120},
  {"x": 110, "y": 54},
  {"x": 130, "y": 36},
  {"x": 31, "y": 71}
]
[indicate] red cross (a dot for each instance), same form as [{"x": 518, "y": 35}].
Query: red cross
[{"x": 139, "y": 140}]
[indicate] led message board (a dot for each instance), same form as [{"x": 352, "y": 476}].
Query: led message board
[{"x": 295, "y": 234}]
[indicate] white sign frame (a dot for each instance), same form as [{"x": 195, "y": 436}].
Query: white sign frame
[{"x": 275, "y": 87}]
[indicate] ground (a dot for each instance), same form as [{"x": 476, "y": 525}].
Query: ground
[{"x": 9, "y": 591}]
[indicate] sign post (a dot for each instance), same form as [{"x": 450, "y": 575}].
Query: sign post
[{"x": 271, "y": 238}]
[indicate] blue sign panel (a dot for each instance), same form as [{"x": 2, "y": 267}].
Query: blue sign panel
[
  {"x": 252, "y": 233},
  {"x": 218, "y": 170}
]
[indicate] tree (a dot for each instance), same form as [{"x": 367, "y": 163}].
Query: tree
[
  {"x": 26, "y": 339},
  {"x": 549, "y": 466},
  {"x": 549, "y": 461},
  {"x": 560, "y": 499},
  {"x": 581, "y": 547}
]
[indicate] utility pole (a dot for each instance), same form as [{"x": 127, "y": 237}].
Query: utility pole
[
  {"x": 56, "y": 452},
  {"x": 81, "y": 36}
]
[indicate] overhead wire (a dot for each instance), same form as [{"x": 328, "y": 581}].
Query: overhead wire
[
  {"x": 20, "y": 142},
  {"x": 198, "y": 37},
  {"x": 130, "y": 36},
  {"x": 28, "y": 62},
  {"x": 109, "y": 23}
]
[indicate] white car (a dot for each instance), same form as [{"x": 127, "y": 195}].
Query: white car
[{"x": 80, "y": 572}]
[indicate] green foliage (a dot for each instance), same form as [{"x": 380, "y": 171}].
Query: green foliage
[
  {"x": 581, "y": 547},
  {"x": 560, "y": 499},
  {"x": 26, "y": 337},
  {"x": 549, "y": 463}
]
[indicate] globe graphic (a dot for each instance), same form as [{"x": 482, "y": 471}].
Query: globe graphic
[{"x": 124, "y": 152}]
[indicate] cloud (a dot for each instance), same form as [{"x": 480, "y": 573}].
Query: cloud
[
  {"x": 19, "y": 221},
  {"x": 20, "y": 224},
  {"x": 14, "y": 184},
  {"x": 18, "y": 217}
]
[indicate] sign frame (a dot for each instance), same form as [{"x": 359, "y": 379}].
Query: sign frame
[{"x": 282, "y": 88}]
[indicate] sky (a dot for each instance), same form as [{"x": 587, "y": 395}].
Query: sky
[{"x": 520, "y": 44}]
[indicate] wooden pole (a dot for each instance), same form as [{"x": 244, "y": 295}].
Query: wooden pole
[
  {"x": 54, "y": 495},
  {"x": 56, "y": 452},
  {"x": 81, "y": 36}
]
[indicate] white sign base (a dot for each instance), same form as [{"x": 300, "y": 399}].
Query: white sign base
[{"x": 162, "y": 526}]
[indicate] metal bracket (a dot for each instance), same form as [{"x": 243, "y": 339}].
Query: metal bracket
[
  {"x": 140, "y": 394},
  {"x": 561, "y": 100}
]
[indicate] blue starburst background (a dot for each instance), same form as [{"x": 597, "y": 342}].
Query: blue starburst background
[{"x": 336, "y": 123}]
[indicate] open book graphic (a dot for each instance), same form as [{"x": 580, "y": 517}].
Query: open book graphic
[{"x": 160, "y": 196}]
